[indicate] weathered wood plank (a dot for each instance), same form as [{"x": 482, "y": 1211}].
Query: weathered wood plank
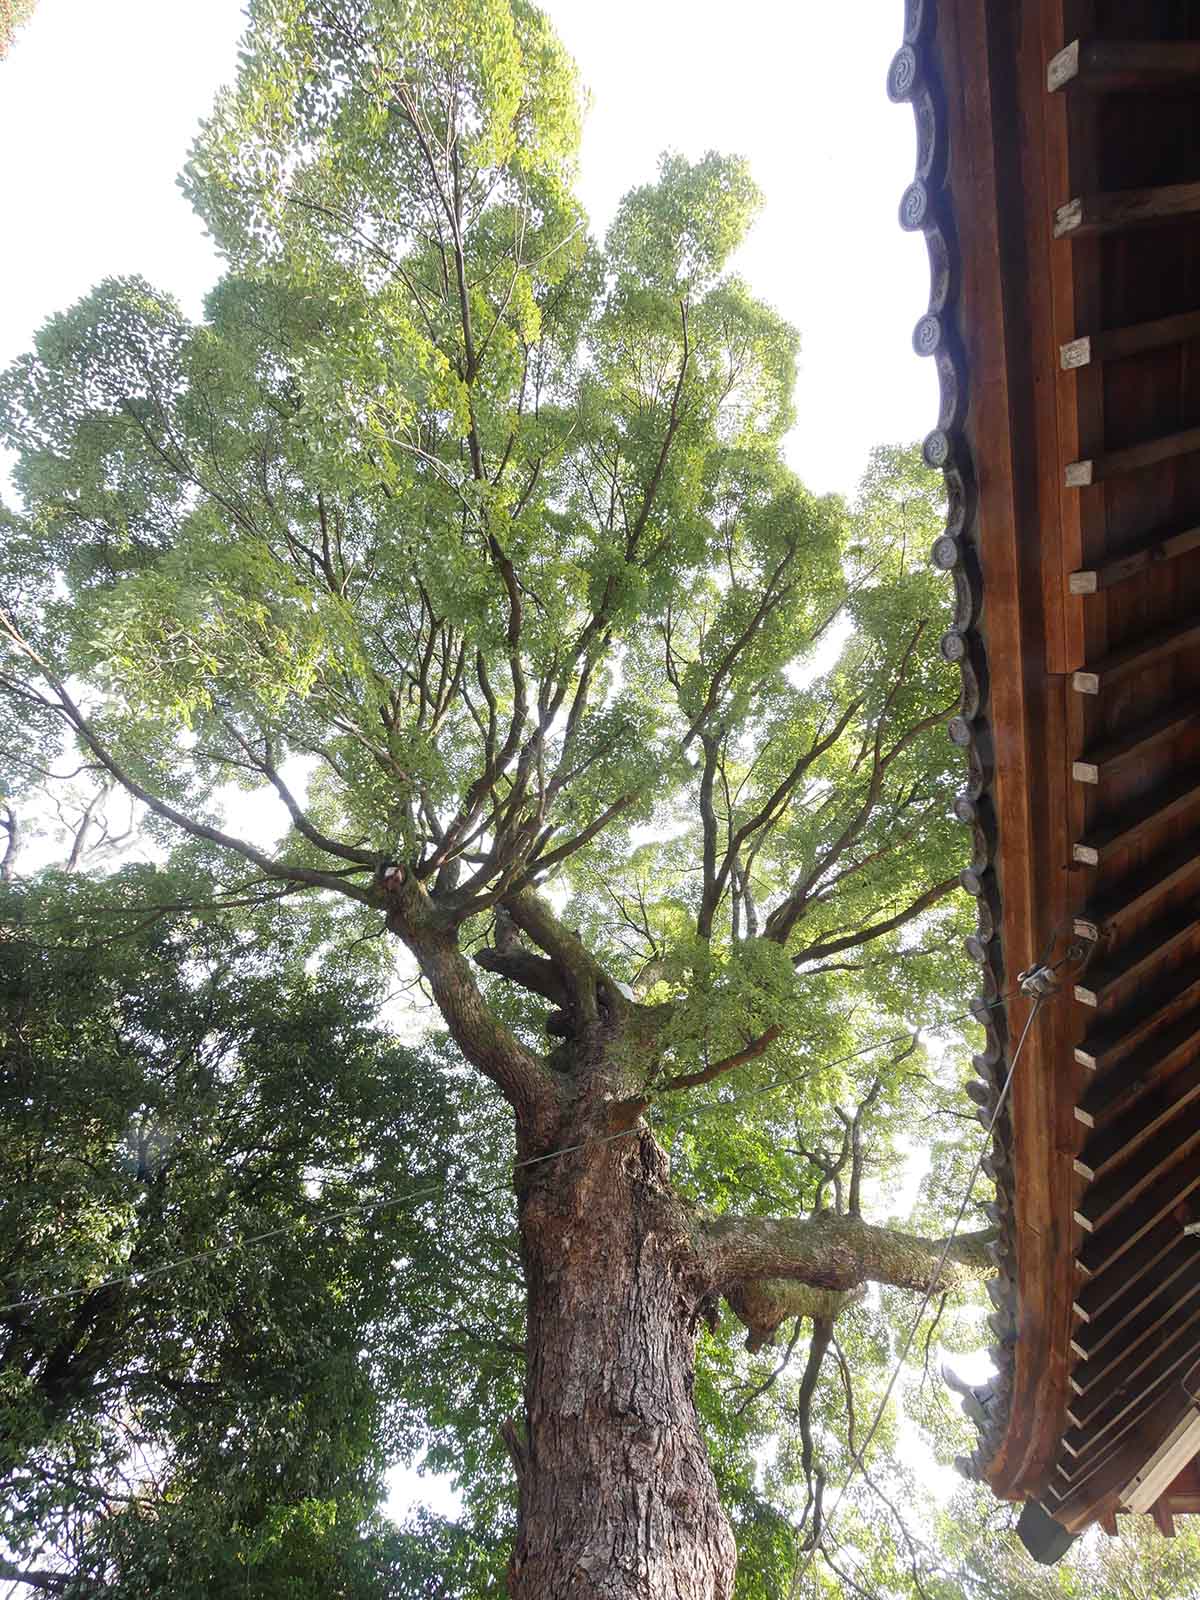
[
  {"x": 1139, "y": 742},
  {"x": 1146, "y": 652},
  {"x": 1134, "y": 458},
  {"x": 1159, "y": 547},
  {"x": 1126, "y": 208},
  {"x": 1105, "y": 65}
]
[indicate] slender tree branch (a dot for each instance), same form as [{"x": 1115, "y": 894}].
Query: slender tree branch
[
  {"x": 57, "y": 1583},
  {"x": 769, "y": 1382},
  {"x": 9, "y": 822},
  {"x": 71, "y": 714},
  {"x": 851, "y": 941},
  {"x": 431, "y": 933},
  {"x": 822, "y": 1333},
  {"x": 756, "y": 1047}
]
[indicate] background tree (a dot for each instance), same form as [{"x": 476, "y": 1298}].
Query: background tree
[
  {"x": 212, "y": 1428},
  {"x": 470, "y": 540},
  {"x": 983, "y": 1550}
]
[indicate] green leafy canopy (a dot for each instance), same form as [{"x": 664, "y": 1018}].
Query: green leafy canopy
[{"x": 467, "y": 538}]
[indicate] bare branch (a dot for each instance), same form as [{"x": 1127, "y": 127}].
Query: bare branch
[
  {"x": 57, "y": 1583},
  {"x": 266, "y": 765},
  {"x": 769, "y": 1382},
  {"x": 11, "y": 826}
]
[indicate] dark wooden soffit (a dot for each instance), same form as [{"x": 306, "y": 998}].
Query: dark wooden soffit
[{"x": 1058, "y": 189}]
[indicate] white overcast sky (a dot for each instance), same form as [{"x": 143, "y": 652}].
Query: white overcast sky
[{"x": 99, "y": 100}]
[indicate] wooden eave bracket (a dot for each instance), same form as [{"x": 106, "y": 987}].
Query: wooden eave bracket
[
  {"x": 1162, "y": 546},
  {"x": 1115, "y": 209},
  {"x": 1104, "y": 65},
  {"x": 1116, "y": 463}
]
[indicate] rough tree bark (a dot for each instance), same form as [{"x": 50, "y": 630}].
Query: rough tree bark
[{"x": 616, "y": 1494}]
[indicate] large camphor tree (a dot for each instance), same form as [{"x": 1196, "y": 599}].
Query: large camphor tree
[{"x": 469, "y": 540}]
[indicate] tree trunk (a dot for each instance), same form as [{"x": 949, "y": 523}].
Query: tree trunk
[{"x": 617, "y": 1496}]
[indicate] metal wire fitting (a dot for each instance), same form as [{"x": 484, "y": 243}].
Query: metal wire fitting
[{"x": 1038, "y": 981}]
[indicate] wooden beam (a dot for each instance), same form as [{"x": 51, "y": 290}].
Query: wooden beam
[
  {"x": 1139, "y": 956},
  {"x": 1142, "y": 891},
  {"x": 1131, "y": 1382},
  {"x": 1148, "y": 814},
  {"x": 1101, "y": 762},
  {"x": 1151, "y": 1163},
  {"x": 1157, "y": 1008},
  {"x": 1155, "y": 1478},
  {"x": 1071, "y": 1474},
  {"x": 1126, "y": 208},
  {"x": 1186, "y": 1486},
  {"x": 1159, "y": 1104},
  {"x": 1106, "y": 1246},
  {"x": 1148, "y": 651},
  {"x": 1117, "y": 1095},
  {"x": 1105, "y": 65},
  {"x": 1163, "y": 1520},
  {"x": 1155, "y": 1315},
  {"x": 1152, "y": 1253},
  {"x": 1158, "y": 547},
  {"x": 1095, "y": 1485},
  {"x": 1134, "y": 458},
  {"x": 1181, "y": 1264},
  {"x": 997, "y": 162},
  {"x": 1116, "y": 344},
  {"x": 1109, "y": 1523}
]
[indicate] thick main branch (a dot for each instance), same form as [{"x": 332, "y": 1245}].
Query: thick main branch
[
  {"x": 830, "y": 1252},
  {"x": 431, "y": 934}
]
